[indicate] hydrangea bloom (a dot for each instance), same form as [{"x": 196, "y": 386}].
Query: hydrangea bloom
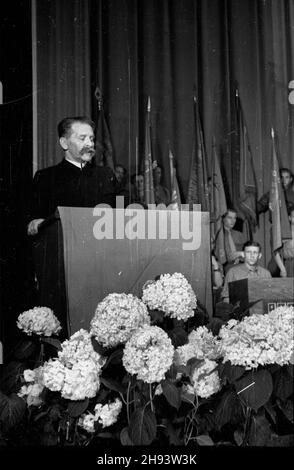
[
  {"x": 172, "y": 294},
  {"x": 149, "y": 354},
  {"x": 79, "y": 348},
  {"x": 75, "y": 373},
  {"x": 205, "y": 379},
  {"x": 202, "y": 344},
  {"x": 117, "y": 317},
  {"x": 104, "y": 414},
  {"x": 32, "y": 390},
  {"x": 259, "y": 339},
  {"x": 31, "y": 394},
  {"x": 87, "y": 422},
  {"x": 39, "y": 320},
  {"x": 108, "y": 414}
]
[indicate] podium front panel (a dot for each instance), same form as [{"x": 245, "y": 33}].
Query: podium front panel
[
  {"x": 123, "y": 261},
  {"x": 267, "y": 293}
]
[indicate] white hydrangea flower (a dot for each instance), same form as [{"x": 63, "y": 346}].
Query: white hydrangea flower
[
  {"x": 76, "y": 371},
  {"x": 29, "y": 375},
  {"x": 81, "y": 381},
  {"x": 39, "y": 320},
  {"x": 31, "y": 394},
  {"x": 149, "y": 354},
  {"x": 108, "y": 414},
  {"x": 79, "y": 348},
  {"x": 87, "y": 422},
  {"x": 35, "y": 385},
  {"x": 104, "y": 414},
  {"x": 259, "y": 339},
  {"x": 54, "y": 375},
  {"x": 205, "y": 379},
  {"x": 172, "y": 294},
  {"x": 202, "y": 344},
  {"x": 117, "y": 317}
]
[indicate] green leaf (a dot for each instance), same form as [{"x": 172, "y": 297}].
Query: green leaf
[
  {"x": 260, "y": 433},
  {"x": 78, "y": 407},
  {"x": 229, "y": 372},
  {"x": 12, "y": 410},
  {"x": 283, "y": 383},
  {"x": 114, "y": 358},
  {"x": 178, "y": 336},
  {"x": 287, "y": 409},
  {"x": 10, "y": 379},
  {"x": 157, "y": 316},
  {"x": 215, "y": 325},
  {"x": 172, "y": 433},
  {"x": 229, "y": 409},
  {"x": 192, "y": 364},
  {"x": 25, "y": 349},
  {"x": 98, "y": 347},
  {"x": 171, "y": 393},
  {"x": 271, "y": 411},
  {"x": 125, "y": 439},
  {"x": 142, "y": 428},
  {"x": 172, "y": 372},
  {"x": 255, "y": 388},
  {"x": 204, "y": 440},
  {"x": 112, "y": 384},
  {"x": 53, "y": 342},
  {"x": 188, "y": 397},
  {"x": 238, "y": 437}
]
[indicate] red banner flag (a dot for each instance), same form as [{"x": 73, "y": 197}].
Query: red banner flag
[
  {"x": 218, "y": 207},
  {"x": 104, "y": 148},
  {"x": 198, "y": 183},
  {"x": 247, "y": 197},
  {"x": 280, "y": 222}
]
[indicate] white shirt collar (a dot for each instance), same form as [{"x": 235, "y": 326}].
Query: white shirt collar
[{"x": 76, "y": 163}]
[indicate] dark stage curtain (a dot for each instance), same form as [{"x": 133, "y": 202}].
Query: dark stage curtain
[{"x": 170, "y": 50}]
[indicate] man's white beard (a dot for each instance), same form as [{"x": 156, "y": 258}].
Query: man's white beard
[{"x": 86, "y": 157}]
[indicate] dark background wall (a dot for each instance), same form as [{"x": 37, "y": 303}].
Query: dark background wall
[{"x": 15, "y": 161}]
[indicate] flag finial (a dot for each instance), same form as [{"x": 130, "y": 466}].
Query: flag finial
[
  {"x": 99, "y": 98},
  {"x": 149, "y": 105}
]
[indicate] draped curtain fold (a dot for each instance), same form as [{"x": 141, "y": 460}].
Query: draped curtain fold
[{"x": 168, "y": 50}]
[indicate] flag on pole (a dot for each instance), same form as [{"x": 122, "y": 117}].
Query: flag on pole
[
  {"x": 104, "y": 149},
  {"x": 198, "y": 183},
  {"x": 218, "y": 207},
  {"x": 175, "y": 202},
  {"x": 247, "y": 188},
  {"x": 280, "y": 223},
  {"x": 148, "y": 164}
]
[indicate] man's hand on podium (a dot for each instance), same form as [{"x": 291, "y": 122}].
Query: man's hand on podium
[{"x": 34, "y": 225}]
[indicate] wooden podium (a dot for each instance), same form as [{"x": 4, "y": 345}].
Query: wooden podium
[
  {"x": 76, "y": 269},
  {"x": 270, "y": 293}
]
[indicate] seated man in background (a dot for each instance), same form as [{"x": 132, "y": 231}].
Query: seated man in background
[
  {"x": 122, "y": 183},
  {"x": 137, "y": 189},
  {"x": 231, "y": 252},
  {"x": 288, "y": 186},
  {"x": 162, "y": 194},
  {"x": 285, "y": 256},
  {"x": 74, "y": 182},
  {"x": 248, "y": 269}
]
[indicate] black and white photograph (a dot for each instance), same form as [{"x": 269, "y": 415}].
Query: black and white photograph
[{"x": 147, "y": 232}]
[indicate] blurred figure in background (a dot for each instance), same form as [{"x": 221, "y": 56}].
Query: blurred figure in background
[{"x": 162, "y": 194}]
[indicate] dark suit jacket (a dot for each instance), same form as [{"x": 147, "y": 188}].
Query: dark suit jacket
[{"x": 65, "y": 184}]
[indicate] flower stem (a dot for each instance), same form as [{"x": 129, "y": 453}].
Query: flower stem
[{"x": 151, "y": 398}]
